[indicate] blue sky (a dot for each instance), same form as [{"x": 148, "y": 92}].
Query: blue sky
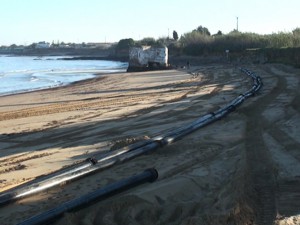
[{"x": 28, "y": 21}]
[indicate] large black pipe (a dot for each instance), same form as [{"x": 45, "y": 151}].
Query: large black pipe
[
  {"x": 74, "y": 174},
  {"x": 148, "y": 175},
  {"x": 65, "y": 175},
  {"x": 129, "y": 152},
  {"x": 218, "y": 114}
]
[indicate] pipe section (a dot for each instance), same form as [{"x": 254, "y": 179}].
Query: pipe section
[
  {"x": 73, "y": 174},
  {"x": 46, "y": 217}
]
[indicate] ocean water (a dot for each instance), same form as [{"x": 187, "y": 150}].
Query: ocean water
[{"x": 27, "y": 73}]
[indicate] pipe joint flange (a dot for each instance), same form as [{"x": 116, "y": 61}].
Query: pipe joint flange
[
  {"x": 93, "y": 161},
  {"x": 161, "y": 142},
  {"x": 153, "y": 174},
  {"x": 212, "y": 114}
]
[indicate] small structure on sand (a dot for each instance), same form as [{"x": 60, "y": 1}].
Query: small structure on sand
[{"x": 145, "y": 58}]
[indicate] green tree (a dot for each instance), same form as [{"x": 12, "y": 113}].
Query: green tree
[
  {"x": 125, "y": 44},
  {"x": 13, "y": 46},
  {"x": 219, "y": 33},
  {"x": 163, "y": 41},
  {"x": 296, "y": 37},
  {"x": 175, "y": 35},
  {"x": 148, "y": 41},
  {"x": 296, "y": 32},
  {"x": 203, "y": 30}
]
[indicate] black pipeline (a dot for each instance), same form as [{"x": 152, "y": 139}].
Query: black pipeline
[
  {"x": 129, "y": 152},
  {"x": 213, "y": 116},
  {"x": 148, "y": 175},
  {"x": 75, "y": 172}
]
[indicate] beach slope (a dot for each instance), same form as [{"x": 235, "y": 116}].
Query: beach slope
[{"x": 238, "y": 170}]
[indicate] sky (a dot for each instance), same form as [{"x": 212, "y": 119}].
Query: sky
[{"x": 23, "y": 22}]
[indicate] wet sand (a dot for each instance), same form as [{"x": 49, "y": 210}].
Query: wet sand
[{"x": 241, "y": 169}]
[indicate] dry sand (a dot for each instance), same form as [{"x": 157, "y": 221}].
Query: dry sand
[{"x": 243, "y": 169}]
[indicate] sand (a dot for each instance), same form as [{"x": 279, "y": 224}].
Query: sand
[{"x": 243, "y": 169}]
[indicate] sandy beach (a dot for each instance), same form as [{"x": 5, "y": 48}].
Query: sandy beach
[{"x": 243, "y": 169}]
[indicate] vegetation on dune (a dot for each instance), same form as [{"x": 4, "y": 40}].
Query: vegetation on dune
[
  {"x": 276, "y": 47},
  {"x": 199, "y": 41}
]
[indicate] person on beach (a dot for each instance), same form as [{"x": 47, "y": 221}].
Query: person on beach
[{"x": 188, "y": 64}]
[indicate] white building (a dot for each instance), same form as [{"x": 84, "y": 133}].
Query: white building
[
  {"x": 148, "y": 57},
  {"x": 42, "y": 44}
]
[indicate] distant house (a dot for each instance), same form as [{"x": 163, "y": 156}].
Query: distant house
[
  {"x": 147, "y": 57},
  {"x": 42, "y": 44},
  {"x": 63, "y": 45}
]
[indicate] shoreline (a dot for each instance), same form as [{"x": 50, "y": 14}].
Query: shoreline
[
  {"x": 40, "y": 76},
  {"x": 96, "y": 75}
]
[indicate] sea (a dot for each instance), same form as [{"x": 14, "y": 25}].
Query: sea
[{"x": 20, "y": 74}]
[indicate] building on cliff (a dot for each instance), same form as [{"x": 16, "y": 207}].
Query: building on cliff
[
  {"x": 42, "y": 44},
  {"x": 147, "y": 58}
]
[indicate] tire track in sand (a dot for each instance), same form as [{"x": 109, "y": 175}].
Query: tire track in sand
[
  {"x": 272, "y": 194},
  {"x": 286, "y": 148},
  {"x": 259, "y": 161},
  {"x": 71, "y": 106}
]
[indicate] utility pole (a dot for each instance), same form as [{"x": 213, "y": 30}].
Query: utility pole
[{"x": 237, "y": 24}]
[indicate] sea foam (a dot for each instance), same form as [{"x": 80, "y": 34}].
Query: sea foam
[{"x": 22, "y": 74}]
